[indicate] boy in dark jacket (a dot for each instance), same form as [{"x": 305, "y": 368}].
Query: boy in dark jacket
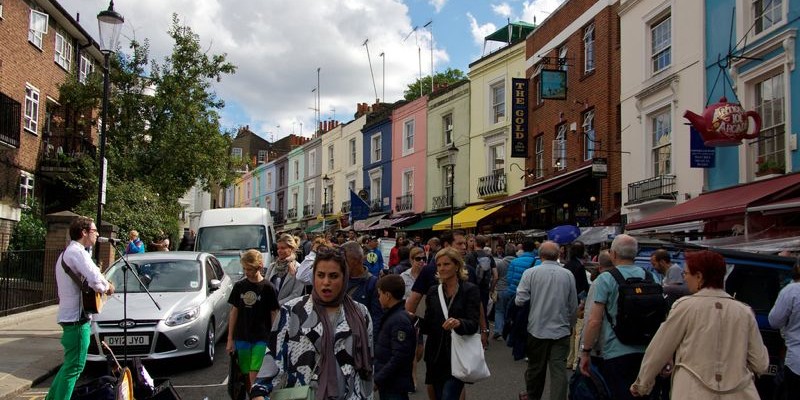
[{"x": 396, "y": 342}]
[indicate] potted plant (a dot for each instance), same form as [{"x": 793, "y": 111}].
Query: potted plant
[{"x": 769, "y": 167}]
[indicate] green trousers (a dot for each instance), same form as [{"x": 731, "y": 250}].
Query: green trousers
[{"x": 75, "y": 341}]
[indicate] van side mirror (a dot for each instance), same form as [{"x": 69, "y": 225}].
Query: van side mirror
[{"x": 273, "y": 249}]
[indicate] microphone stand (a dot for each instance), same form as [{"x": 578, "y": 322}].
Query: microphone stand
[{"x": 125, "y": 271}]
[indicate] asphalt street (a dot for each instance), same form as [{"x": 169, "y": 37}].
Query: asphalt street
[{"x": 193, "y": 383}]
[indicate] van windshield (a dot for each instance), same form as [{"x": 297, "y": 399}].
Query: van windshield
[{"x": 232, "y": 237}]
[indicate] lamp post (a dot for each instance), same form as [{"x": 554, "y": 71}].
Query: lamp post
[
  {"x": 109, "y": 23},
  {"x": 325, "y": 181},
  {"x": 593, "y": 202},
  {"x": 452, "y": 153}
]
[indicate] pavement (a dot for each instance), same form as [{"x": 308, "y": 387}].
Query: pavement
[{"x": 30, "y": 350}]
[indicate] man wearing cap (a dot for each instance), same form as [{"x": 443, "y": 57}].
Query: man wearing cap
[{"x": 373, "y": 259}]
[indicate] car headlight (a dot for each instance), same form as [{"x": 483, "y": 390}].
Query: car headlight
[{"x": 183, "y": 317}]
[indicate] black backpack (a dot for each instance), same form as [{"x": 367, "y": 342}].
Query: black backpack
[{"x": 641, "y": 308}]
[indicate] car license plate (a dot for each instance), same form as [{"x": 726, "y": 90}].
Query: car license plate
[{"x": 133, "y": 340}]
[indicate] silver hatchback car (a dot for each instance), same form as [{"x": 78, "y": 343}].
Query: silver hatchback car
[{"x": 192, "y": 290}]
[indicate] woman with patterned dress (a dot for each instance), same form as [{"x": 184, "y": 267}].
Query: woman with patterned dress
[{"x": 324, "y": 340}]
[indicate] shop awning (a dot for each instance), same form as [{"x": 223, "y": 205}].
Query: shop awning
[
  {"x": 390, "y": 223},
  {"x": 543, "y": 187},
  {"x": 724, "y": 202},
  {"x": 365, "y": 224},
  {"x": 291, "y": 226},
  {"x": 330, "y": 223},
  {"x": 466, "y": 218},
  {"x": 425, "y": 223}
]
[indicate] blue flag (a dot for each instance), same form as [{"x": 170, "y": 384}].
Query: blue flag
[{"x": 359, "y": 209}]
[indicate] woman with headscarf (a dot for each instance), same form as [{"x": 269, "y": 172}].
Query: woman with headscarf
[
  {"x": 324, "y": 340},
  {"x": 283, "y": 271},
  {"x": 713, "y": 338},
  {"x": 463, "y": 302}
]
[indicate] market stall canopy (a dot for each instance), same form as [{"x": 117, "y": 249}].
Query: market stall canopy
[
  {"x": 425, "y": 223},
  {"x": 466, "y": 218},
  {"x": 366, "y": 224}
]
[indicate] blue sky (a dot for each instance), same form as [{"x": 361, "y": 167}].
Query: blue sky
[{"x": 278, "y": 45}]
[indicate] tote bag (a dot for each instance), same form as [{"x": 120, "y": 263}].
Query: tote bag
[{"x": 467, "y": 362}]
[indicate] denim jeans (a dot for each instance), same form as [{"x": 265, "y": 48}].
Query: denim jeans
[
  {"x": 449, "y": 389},
  {"x": 500, "y": 310}
]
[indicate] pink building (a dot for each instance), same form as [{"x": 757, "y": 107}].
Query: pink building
[{"x": 409, "y": 145}]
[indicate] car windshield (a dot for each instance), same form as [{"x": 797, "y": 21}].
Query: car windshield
[
  {"x": 231, "y": 265},
  {"x": 159, "y": 276},
  {"x": 232, "y": 237}
]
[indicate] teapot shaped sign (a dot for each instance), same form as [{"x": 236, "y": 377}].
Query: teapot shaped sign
[{"x": 724, "y": 124}]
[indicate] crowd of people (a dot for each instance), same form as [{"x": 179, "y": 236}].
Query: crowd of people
[{"x": 328, "y": 315}]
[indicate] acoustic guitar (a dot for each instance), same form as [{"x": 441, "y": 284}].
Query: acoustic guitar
[{"x": 91, "y": 301}]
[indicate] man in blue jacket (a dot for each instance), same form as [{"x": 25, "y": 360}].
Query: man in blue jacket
[
  {"x": 396, "y": 342},
  {"x": 518, "y": 265}
]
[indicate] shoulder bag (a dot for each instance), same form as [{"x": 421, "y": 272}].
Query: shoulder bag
[{"x": 467, "y": 362}]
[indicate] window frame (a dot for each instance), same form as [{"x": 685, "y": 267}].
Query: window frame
[
  {"x": 312, "y": 163},
  {"x": 447, "y": 129},
  {"x": 538, "y": 148},
  {"x": 588, "y": 49},
  {"x": 296, "y": 164},
  {"x": 589, "y": 135},
  {"x": 31, "y": 117},
  {"x": 237, "y": 152},
  {"x": 27, "y": 185},
  {"x": 63, "y": 53},
  {"x": 655, "y": 159},
  {"x": 375, "y": 148},
  {"x": 85, "y": 68},
  {"x": 497, "y": 103},
  {"x": 492, "y": 164},
  {"x": 408, "y": 182},
  {"x": 409, "y": 131},
  {"x": 768, "y": 138},
  {"x": 331, "y": 157},
  {"x": 561, "y": 135},
  {"x": 262, "y": 156},
  {"x": 656, "y": 53},
  {"x": 562, "y": 52},
  {"x": 35, "y": 33},
  {"x": 353, "y": 150},
  {"x": 755, "y": 17}
]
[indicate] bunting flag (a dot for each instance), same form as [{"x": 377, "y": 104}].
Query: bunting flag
[{"x": 359, "y": 209}]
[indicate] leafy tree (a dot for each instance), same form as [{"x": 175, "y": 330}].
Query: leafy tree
[
  {"x": 30, "y": 231},
  {"x": 162, "y": 132},
  {"x": 449, "y": 76}
]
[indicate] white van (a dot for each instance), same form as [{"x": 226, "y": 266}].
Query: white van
[{"x": 226, "y": 232}]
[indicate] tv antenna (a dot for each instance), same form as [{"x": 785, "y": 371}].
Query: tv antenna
[{"x": 370, "y": 69}]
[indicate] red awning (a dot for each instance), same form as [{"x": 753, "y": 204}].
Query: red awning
[
  {"x": 542, "y": 187},
  {"x": 724, "y": 202}
]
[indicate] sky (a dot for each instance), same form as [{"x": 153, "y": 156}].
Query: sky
[{"x": 279, "y": 45}]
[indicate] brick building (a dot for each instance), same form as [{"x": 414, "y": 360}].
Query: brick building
[
  {"x": 41, "y": 47},
  {"x": 573, "y": 118}
]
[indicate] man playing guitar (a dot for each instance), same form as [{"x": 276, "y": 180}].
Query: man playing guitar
[{"x": 71, "y": 316}]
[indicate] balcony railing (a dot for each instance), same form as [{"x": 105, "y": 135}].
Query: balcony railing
[
  {"x": 327, "y": 209},
  {"x": 60, "y": 152},
  {"x": 10, "y": 117},
  {"x": 661, "y": 187},
  {"x": 291, "y": 213},
  {"x": 440, "y": 202},
  {"x": 492, "y": 185},
  {"x": 404, "y": 203},
  {"x": 345, "y": 206},
  {"x": 308, "y": 210},
  {"x": 376, "y": 205},
  {"x": 278, "y": 217}
]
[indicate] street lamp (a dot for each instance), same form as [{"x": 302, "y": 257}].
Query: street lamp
[
  {"x": 593, "y": 202},
  {"x": 109, "y": 23},
  {"x": 325, "y": 181},
  {"x": 452, "y": 153}
]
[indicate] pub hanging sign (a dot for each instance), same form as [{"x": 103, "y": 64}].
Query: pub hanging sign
[{"x": 519, "y": 121}]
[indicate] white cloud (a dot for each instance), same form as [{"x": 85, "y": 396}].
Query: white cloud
[
  {"x": 479, "y": 32},
  {"x": 538, "y": 10},
  {"x": 502, "y": 9},
  {"x": 437, "y": 4},
  {"x": 278, "y": 45}
]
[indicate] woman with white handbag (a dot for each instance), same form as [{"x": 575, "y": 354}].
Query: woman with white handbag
[{"x": 451, "y": 324}]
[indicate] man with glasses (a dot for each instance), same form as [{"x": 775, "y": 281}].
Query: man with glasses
[{"x": 71, "y": 316}]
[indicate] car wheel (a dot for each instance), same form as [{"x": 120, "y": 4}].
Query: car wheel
[{"x": 211, "y": 339}]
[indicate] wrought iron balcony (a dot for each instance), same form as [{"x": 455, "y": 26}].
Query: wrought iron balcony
[
  {"x": 404, "y": 203},
  {"x": 308, "y": 210},
  {"x": 60, "y": 153},
  {"x": 376, "y": 205},
  {"x": 492, "y": 185},
  {"x": 278, "y": 217},
  {"x": 327, "y": 209},
  {"x": 661, "y": 187},
  {"x": 345, "y": 206},
  {"x": 440, "y": 202},
  {"x": 291, "y": 213}
]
